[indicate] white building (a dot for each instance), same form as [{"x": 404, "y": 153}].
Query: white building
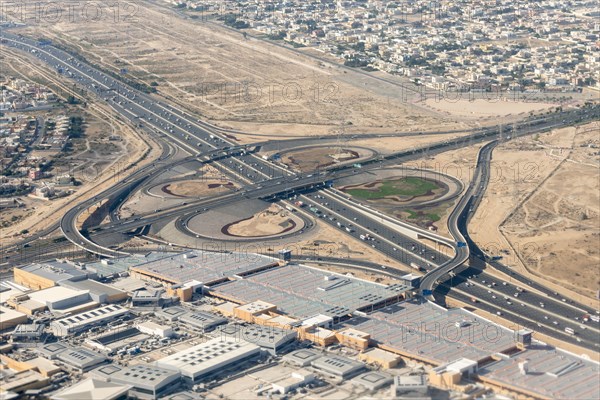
[{"x": 210, "y": 358}]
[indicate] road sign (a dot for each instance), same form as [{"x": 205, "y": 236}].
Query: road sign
[
  {"x": 427, "y": 292},
  {"x": 461, "y": 244}
]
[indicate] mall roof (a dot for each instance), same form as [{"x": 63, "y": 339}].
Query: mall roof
[
  {"x": 429, "y": 332},
  {"x": 302, "y": 291},
  {"x": 203, "y": 266},
  {"x": 551, "y": 373}
]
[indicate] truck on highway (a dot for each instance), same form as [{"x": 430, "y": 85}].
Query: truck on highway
[
  {"x": 290, "y": 208},
  {"x": 363, "y": 237},
  {"x": 474, "y": 300},
  {"x": 299, "y": 203},
  {"x": 570, "y": 331},
  {"x": 416, "y": 266}
]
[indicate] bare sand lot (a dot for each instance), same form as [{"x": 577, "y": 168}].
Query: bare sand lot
[
  {"x": 320, "y": 157},
  {"x": 479, "y": 108},
  {"x": 231, "y": 80},
  {"x": 200, "y": 188},
  {"x": 542, "y": 208},
  {"x": 272, "y": 221}
]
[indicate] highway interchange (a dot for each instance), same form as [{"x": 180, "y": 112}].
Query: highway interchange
[{"x": 539, "y": 309}]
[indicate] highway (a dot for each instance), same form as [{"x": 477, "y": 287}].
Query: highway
[{"x": 269, "y": 181}]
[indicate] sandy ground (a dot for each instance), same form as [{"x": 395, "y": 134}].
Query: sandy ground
[
  {"x": 96, "y": 172},
  {"x": 210, "y": 187},
  {"x": 321, "y": 157},
  {"x": 545, "y": 197},
  {"x": 479, "y": 108},
  {"x": 271, "y": 221},
  {"x": 233, "y": 81}
]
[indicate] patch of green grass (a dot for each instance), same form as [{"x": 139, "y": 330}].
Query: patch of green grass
[
  {"x": 425, "y": 217},
  {"x": 409, "y": 186}
]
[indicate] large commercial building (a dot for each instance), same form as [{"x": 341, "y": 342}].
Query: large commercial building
[
  {"x": 77, "y": 358},
  {"x": 201, "y": 320},
  {"x": 304, "y": 292},
  {"x": 147, "y": 381},
  {"x": 211, "y": 358},
  {"x": 42, "y": 276},
  {"x": 80, "y": 322},
  {"x": 269, "y": 338}
]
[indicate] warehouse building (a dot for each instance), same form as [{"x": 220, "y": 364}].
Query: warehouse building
[
  {"x": 116, "y": 339},
  {"x": 99, "y": 292},
  {"x": 372, "y": 380},
  {"x": 76, "y": 358},
  {"x": 302, "y": 357},
  {"x": 211, "y": 358},
  {"x": 43, "y": 276},
  {"x": 80, "y": 322},
  {"x": 269, "y": 338},
  {"x": 338, "y": 366},
  {"x": 147, "y": 381},
  {"x": 10, "y": 318},
  {"x": 93, "y": 389},
  {"x": 200, "y": 267},
  {"x": 154, "y": 329},
  {"x": 28, "y": 332},
  {"x": 201, "y": 320},
  {"x": 171, "y": 314}
]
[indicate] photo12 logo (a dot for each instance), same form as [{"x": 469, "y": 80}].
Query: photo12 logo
[{"x": 54, "y": 12}]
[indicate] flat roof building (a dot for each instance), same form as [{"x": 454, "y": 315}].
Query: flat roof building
[
  {"x": 99, "y": 292},
  {"x": 93, "y": 389},
  {"x": 42, "y": 276},
  {"x": 200, "y": 266},
  {"x": 405, "y": 384},
  {"x": 148, "y": 381},
  {"x": 339, "y": 366},
  {"x": 302, "y": 357},
  {"x": 171, "y": 313},
  {"x": 303, "y": 292},
  {"x": 210, "y": 358},
  {"x": 201, "y": 320},
  {"x": 269, "y": 338},
  {"x": 154, "y": 329},
  {"x": 373, "y": 380},
  {"x": 79, "y": 322},
  {"x": 80, "y": 359},
  {"x": 10, "y": 318},
  {"x": 28, "y": 332}
]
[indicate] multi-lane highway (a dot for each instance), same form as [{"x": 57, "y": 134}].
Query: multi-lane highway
[{"x": 267, "y": 180}]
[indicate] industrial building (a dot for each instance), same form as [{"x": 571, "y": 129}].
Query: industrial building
[
  {"x": 268, "y": 338},
  {"x": 46, "y": 275},
  {"x": 10, "y": 318},
  {"x": 405, "y": 384},
  {"x": 372, "y": 380},
  {"x": 77, "y": 358},
  {"x": 302, "y": 357},
  {"x": 79, "y": 322},
  {"x": 57, "y": 299},
  {"x": 433, "y": 334},
  {"x": 211, "y": 358},
  {"x": 93, "y": 389},
  {"x": 200, "y": 266},
  {"x": 171, "y": 314},
  {"x": 154, "y": 329},
  {"x": 99, "y": 292},
  {"x": 28, "y": 332},
  {"x": 338, "y": 366},
  {"x": 304, "y": 292},
  {"x": 147, "y": 381},
  {"x": 114, "y": 340},
  {"x": 201, "y": 320}
]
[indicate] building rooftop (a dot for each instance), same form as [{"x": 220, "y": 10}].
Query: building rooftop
[
  {"x": 373, "y": 380},
  {"x": 263, "y": 336},
  {"x": 55, "y": 271},
  {"x": 80, "y": 358},
  {"x": 95, "y": 287},
  {"x": 429, "y": 332},
  {"x": 202, "y": 319},
  {"x": 92, "y": 389},
  {"x": 338, "y": 365},
  {"x": 302, "y": 357},
  {"x": 303, "y": 292},
  {"x": 208, "y": 357},
  {"x": 202, "y": 266},
  {"x": 551, "y": 373},
  {"x": 145, "y": 376}
]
